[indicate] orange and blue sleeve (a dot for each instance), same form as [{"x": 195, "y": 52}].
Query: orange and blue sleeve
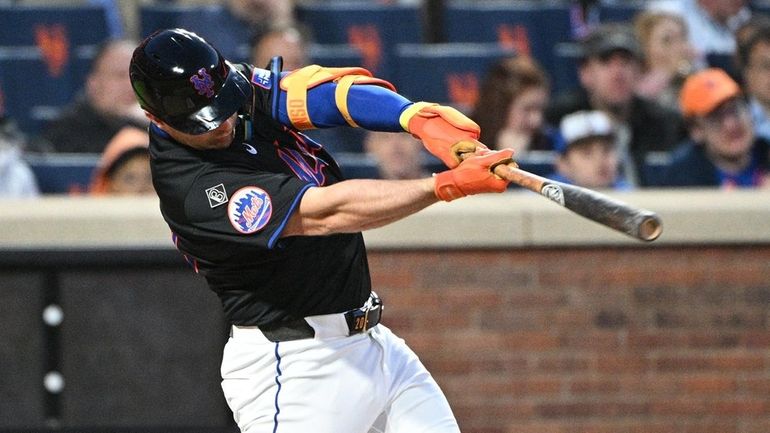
[{"x": 369, "y": 106}]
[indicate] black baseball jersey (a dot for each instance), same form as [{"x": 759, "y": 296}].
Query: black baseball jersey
[{"x": 227, "y": 209}]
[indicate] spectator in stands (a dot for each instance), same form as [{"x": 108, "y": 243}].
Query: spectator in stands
[
  {"x": 398, "y": 155},
  {"x": 287, "y": 42},
  {"x": 263, "y": 13},
  {"x": 511, "y": 105},
  {"x": 16, "y": 178},
  {"x": 124, "y": 168},
  {"x": 723, "y": 151},
  {"x": 754, "y": 60},
  {"x": 587, "y": 156},
  {"x": 106, "y": 105},
  {"x": 609, "y": 69},
  {"x": 668, "y": 56},
  {"x": 746, "y": 31},
  {"x": 712, "y": 25}
]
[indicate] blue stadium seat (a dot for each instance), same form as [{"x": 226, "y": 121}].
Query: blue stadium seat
[
  {"x": 340, "y": 139},
  {"x": 532, "y": 27},
  {"x": 45, "y": 53},
  {"x": 335, "y": 55},
  {"x": 564, "y": 73},
  {"x": 61, "y": 173},
  {"x": 539, "y": 162},
  {"x": 32, "y": 94},
  {"x": 356, "y": 165},
  {"x": 374, "y": 28},
  {"x": 212, "y": 22},
  {"x": 654, "y": 166},
  {"x": 760, "y": 6},
  {"x": 620, "y": 12},
  {"x": 445, "y": 73},
  {"x": 25, "y": 25}
]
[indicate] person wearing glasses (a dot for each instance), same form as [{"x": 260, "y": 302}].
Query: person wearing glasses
[{"x": 723, "y": 152}]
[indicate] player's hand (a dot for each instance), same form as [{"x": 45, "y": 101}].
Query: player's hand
[
  {"x": 445, "y": 132},
  {"x": 474, "y": 175}
]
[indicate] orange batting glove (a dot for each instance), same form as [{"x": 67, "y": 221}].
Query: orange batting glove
[
  {"x": 474, "y": 175},
  {"x": 444, "y": 131}
]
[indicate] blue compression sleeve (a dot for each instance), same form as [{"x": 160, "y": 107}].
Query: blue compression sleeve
[{"x": 372, "y": 107}]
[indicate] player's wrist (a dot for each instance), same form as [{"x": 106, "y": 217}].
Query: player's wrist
[{"x": 445, "y": 186}]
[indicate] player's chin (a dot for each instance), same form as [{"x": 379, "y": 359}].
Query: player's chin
[
  {"x": 220, "y": 139},
  {"x": 220, "y": 142}
]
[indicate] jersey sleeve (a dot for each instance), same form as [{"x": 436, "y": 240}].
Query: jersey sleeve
[{"x": 243, "y": 206}]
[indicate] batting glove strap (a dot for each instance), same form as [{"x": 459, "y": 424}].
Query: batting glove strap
[{"x": 473, "y": 176}]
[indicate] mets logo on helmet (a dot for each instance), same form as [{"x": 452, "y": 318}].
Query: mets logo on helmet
[
  {"x": 203, "y": 84},
  {"x": 249, "y": 209}
]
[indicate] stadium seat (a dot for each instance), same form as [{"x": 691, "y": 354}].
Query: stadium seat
[
  {"x": 625, "y": 12},
  {"x": 335, "y": 55},
  {"x": 654, "y": 166},
  {"x": 760, "y": 6},
  {"x": 32, "y": 94},
  {"x": 564, "y": 74},
  {"x": 445, "y": 73},
  {"x": 37, "y": 25},
  {"x": 62, "y": 173},
  {"x": 529, "y": 27},
  {"x": 374, "y": 28},
  {"x": 341, "y": 139},
  {"x": 212, "y": 22},
  {"x": 356, "y": 165},
  {"x": 45, "y": 53},
  {"x": 539, "y": 162}
]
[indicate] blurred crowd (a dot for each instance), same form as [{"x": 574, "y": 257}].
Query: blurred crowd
[{"x": 683, "y": 86}]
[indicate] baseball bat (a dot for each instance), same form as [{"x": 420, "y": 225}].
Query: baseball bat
[
  {"x": 635, "y": 222},
  {"x": 638, "y": 223}
]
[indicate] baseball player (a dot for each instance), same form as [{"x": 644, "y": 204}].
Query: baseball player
[{"x": 264, "y": 214}]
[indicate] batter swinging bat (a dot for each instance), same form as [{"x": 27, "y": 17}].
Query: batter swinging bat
[{"x": 639, "y": 223}]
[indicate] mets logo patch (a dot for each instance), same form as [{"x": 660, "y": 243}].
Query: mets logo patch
[
  {"x": 250, "y": 209},
  {"x": 261, "y": 77},
  {"x": 203, "y": 83}
]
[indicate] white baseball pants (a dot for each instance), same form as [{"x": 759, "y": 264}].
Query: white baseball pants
[{"x": 369, "y": 382}]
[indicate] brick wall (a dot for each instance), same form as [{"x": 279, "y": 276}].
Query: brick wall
[{"x": 643, "y": 340}]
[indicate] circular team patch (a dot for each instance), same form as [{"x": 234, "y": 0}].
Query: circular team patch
[{"x": 249, "y": 209}]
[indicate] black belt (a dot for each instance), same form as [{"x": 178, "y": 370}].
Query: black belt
[{"x": 358, "y": 320}]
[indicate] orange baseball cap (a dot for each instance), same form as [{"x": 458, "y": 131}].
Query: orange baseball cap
[{"x": 704, "y": 91}]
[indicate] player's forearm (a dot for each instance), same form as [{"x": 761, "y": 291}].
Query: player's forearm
[
  {"x": 371, "y": 107},
  {"x": 359, "y": 204}
]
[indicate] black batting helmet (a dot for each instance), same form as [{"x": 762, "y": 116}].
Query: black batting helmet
[{"x": 184, "y": 81}]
